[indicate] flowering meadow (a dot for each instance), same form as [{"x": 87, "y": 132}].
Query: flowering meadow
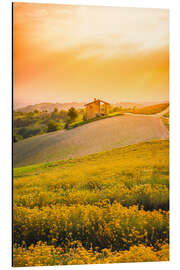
[{"x": 107, "y": 207}]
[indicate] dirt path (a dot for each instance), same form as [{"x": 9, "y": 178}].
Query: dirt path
[{"x": 94, "y": 137}]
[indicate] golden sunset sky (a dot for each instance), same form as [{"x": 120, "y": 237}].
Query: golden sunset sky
[{"x": 65, "y": 53}]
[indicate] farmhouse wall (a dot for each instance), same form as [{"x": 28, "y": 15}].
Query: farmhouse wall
[{"x": 93, "y": 109}]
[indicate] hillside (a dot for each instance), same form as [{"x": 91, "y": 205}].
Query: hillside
[
  {"x": 111, "y": 206},
  {"x": 138, "y": 105},
  {"x": 139, "y": 164},
  {"x": 157, "y": 109},
  {"x": 97, "y": 136},
  {"x": 51, "y": 106}
]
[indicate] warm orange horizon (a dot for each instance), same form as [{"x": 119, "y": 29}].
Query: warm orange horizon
[{"x": 65, "y": 53}]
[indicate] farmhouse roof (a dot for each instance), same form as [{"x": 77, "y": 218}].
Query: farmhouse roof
[{"x": 96, "y": 101}]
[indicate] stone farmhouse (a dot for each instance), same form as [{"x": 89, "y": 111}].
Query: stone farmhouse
[{"x": 96, "y": 108}]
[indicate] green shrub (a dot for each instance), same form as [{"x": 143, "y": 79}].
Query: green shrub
[{"x": 52, "y": 126}]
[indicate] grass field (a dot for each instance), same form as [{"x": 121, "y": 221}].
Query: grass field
[
  {"x": 153, "y": 109},
  {"x": 96, "y": 136},
  {"x": 102, "y": 208}
]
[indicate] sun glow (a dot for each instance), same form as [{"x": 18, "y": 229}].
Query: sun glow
[{"x": 73, "y": 53}]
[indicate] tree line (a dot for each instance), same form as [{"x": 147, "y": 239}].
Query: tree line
[{"x": 39, "y": 122}]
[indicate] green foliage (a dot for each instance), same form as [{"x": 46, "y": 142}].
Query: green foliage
[
  {"x": 73, "y": 114},
  {"x": 83, "y": 122},
  {"x": 61, "y": 124},
  {"x": 52, "y": 126},
  {"x": 35, "y": 123},
  {"x": 29, "y": 131}
]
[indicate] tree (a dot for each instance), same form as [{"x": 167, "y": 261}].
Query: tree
[
  {"x": 52, "y": 126},
  {"x": 63, "y": 115},
  {"x": 72, "y": 113}
]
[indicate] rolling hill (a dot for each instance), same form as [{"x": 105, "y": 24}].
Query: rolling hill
[
  {"x": 115, "y": 202},
  {"x": 51, "y": 106},
  {"x": 94, "y": 137}
]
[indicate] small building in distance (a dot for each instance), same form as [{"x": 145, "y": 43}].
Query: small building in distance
[{"x": 96, "y": 108}]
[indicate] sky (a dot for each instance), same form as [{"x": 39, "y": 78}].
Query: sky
[{"x": 65, "y": 53}]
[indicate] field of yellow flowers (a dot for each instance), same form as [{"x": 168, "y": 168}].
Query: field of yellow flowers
[{"x": 107, "y": 207}]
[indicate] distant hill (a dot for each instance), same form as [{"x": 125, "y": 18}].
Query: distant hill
[
  {"x": 138, "y": 105},
  {"x": 66, "y": 106},
  {"x": 126, "y": 105},
  {"x": 51, "y": 106}
]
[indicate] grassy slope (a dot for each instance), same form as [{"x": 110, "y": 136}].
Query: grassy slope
[
  {"x": 152, "y": 153},
  {"x": 97, "y": 200},
  {"x": 153, "y": 109},
  {"x": 95, "y": 137},
  {"x": 120, "y": 174}
]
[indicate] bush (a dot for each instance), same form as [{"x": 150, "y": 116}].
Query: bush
[
  {"x": 52, "y": 126},
  {"x": 29, "y": 131}
]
